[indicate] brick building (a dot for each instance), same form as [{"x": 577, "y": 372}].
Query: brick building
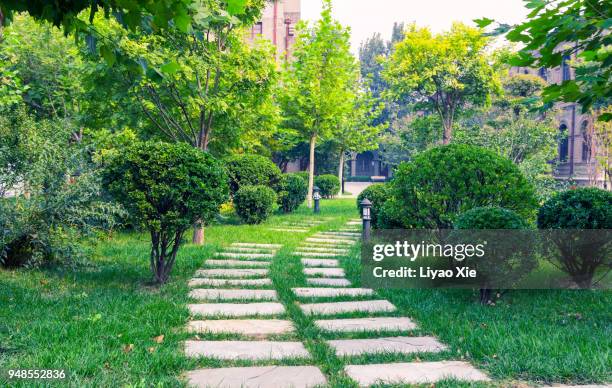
[{"x": 277, "y": 25}]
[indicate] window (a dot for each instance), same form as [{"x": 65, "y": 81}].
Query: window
[
  {"x": 543, "y": 73},
  {"x": 258, "y": 28},
  {"x": 586, "y": 142},
  {"x": 565, "y": 69},
  {"x": 563, "y": 143}
]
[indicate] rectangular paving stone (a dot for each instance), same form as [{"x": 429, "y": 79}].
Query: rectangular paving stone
[
  {"x": 290, "y": 230},
  {"x": 257, "y": 245},
  {"x": 330, "y": 241},
  {"x": 413, "y": 372},
  {"x": 326, "y": 272},
  {"x": 369, "y": 306},
  {"x": 233, "y": 255},
  {"x": 321, "y": 249},
  {"x": 353, "y": 325},
  {"x": 236, "y": 309},
  {"x": 222, "y": 294},
  {"x": 249, "y": 327},
  {"x": 328, "y": 282},
  {"x": 331, "y": 292},
  {"x": 320, "y": 263},
  {"x": 257, "y": 377},
  {"x": 342, "y": 233},
  {"x": 246, "y": 350},
  {"x": 403, "y": 345},
  {"x": 197, "y": 282},
  {"x": 249, "y": 250},
  {"x": 318, "y": 254},
  {"x": 236, "y": 263},
  {"x": 232, "y": 273}
]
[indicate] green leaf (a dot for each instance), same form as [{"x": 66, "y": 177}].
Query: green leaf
[
  {"x": 236, "y": 7},
  {"x": 108, "y": 54},
  {"x": 182, "y": 22},
  {"x": 484, "y": 22},
  {"x": 605, "y": 117},
  {"x": 170, "y": 68}
]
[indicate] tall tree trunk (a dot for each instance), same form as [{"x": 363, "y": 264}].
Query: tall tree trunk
[
  {"x": 341, "y": 170},
  {"x": 198, "y": 227},
  {"x": 448, "y": 131},
  {"x": 311, "y": 167}
]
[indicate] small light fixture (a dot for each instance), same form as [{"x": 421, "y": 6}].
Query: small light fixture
[
  {"x": 316, "y": 196},
  {"x": 366, "y": 217}
]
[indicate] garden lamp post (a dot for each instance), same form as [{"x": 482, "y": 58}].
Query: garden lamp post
[
  {"x": 366, "y": 216},
  {"x": 316, "y": 196}
]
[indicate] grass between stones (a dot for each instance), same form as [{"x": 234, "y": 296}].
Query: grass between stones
[{"x": 103, "y": 322}]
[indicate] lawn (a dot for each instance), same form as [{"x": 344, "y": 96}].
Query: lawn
[{"x": 103, "y": 322}]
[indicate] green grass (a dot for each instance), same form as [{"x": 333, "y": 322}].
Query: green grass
[{"x": 84, "y": 319}]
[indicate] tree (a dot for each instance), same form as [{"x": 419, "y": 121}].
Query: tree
[
  {"x": 318, "y": 82},
  {"x": 443, "y": 73},
  {"x": 557, "y": 31},
  {"x": 167, "y": 188}
]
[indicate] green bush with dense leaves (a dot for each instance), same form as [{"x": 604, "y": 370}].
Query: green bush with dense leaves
[
  {"x": 167, "y": 188},
  {"x": 254, "y": 204},
  {"x": 583, "y": 252},
  {"x": 378, "y": 195},
  {"x": 328, "y": 184},
  {"x": 292, "y": 192},
  {"x": 508, "y": 256},
  {"x": 251, "y": 170},
  {"x": 445, "y": 181}
]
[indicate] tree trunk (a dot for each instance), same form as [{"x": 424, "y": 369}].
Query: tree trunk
[
  {"x": 448, "y": 131},
  {"x": 341, "y": 170},
  {"x": 311, "y": 166},
  {"x": 198, "y": 234}
]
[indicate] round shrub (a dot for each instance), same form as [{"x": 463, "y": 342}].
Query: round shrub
[
  {"x": 328, "y": 184},
  {"x": 292, "y": 192},
  {"x": 508, "y": 258},
  {"x": 582, "y": 208},
  {"x": 445, "y": 181},
  {"x": 252, "y": 170},
  {"x": 378, "y": 195},
  {"x": 167, "y": 188},
  {"x": 581, "y": 252},
  {"x": 303, "y": 175},
  {"x": 254, "y": 204}
]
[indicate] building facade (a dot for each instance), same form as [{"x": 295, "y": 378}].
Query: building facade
[{"x": 277, "y": 25}]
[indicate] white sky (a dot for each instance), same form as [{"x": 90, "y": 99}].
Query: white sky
[{"x": 368, "y": 16}]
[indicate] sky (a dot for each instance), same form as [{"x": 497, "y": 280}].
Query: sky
[{"x": 366, "y": 17}]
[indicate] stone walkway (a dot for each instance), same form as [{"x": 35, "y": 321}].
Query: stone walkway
[
  {"x": 303, "y": 226},
  {"x": 234, "y": 298},
  {"x": 320, "y": 255}
]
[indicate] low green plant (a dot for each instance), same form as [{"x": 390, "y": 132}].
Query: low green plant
[
  {"x": 251, "y": 170},
  {"x": 167, "y": 188},
  {"x": 292, "y": 192},
  {"x": 378, "y": 195},
  {"x": 329, "y": 185},
  {"x": 254, "y": 204}
]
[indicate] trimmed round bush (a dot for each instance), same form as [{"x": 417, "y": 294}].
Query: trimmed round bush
[
  {"x": 587, "y": 213},
  {"x": 254, "y": 204},
  {"x": 445, "y": 181},
  {"x": 508, "y": 258},
  {"x": 582, "y": 208},
  {"x": 252, "y": 170},
  {"x": 303, "y": 175},
  {"x": 292, "y": 192},
  {"x": 328, "y": 184},
  {"x": 378, "y": 195},
  {"x": 166, "y": 187}
]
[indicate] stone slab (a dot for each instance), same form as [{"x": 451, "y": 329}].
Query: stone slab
[
  {"x": 321, "y": 249},
  {"x": 289, "y": 230},
  {"x": 245, "y": 350},
  {"x": 403, "y": 345},
  {"x": 256, "y": 245},
  {"x": 413, "y": 372},
  {"x": 328, "y": 282},
  {"x": 222, "y": 294},
  {"x": 370, "y": 306},
  {"x": 229, "y": 282},
  {"x": 236, "y": 264},
  {"x": 326, "y": 272},
  {"x": 236, "y": 309},
  {"x": 318, "y": 254},
  {"x": 249, "y": 250},
  {"x": 366, "y": 324},
  {"x": 233, "y": 255},
  {"x": 351, "y": 223},
  {"x": 257, "y": 377},
  {"x": 330, "y": 241},
  {"x": 331, "y": 292},
  {"x": 232, "y": 273},
  {"x": 320, "y": 263},
  {"x": 248, "y": 327},
  {"x": 342, "y": 233}
]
